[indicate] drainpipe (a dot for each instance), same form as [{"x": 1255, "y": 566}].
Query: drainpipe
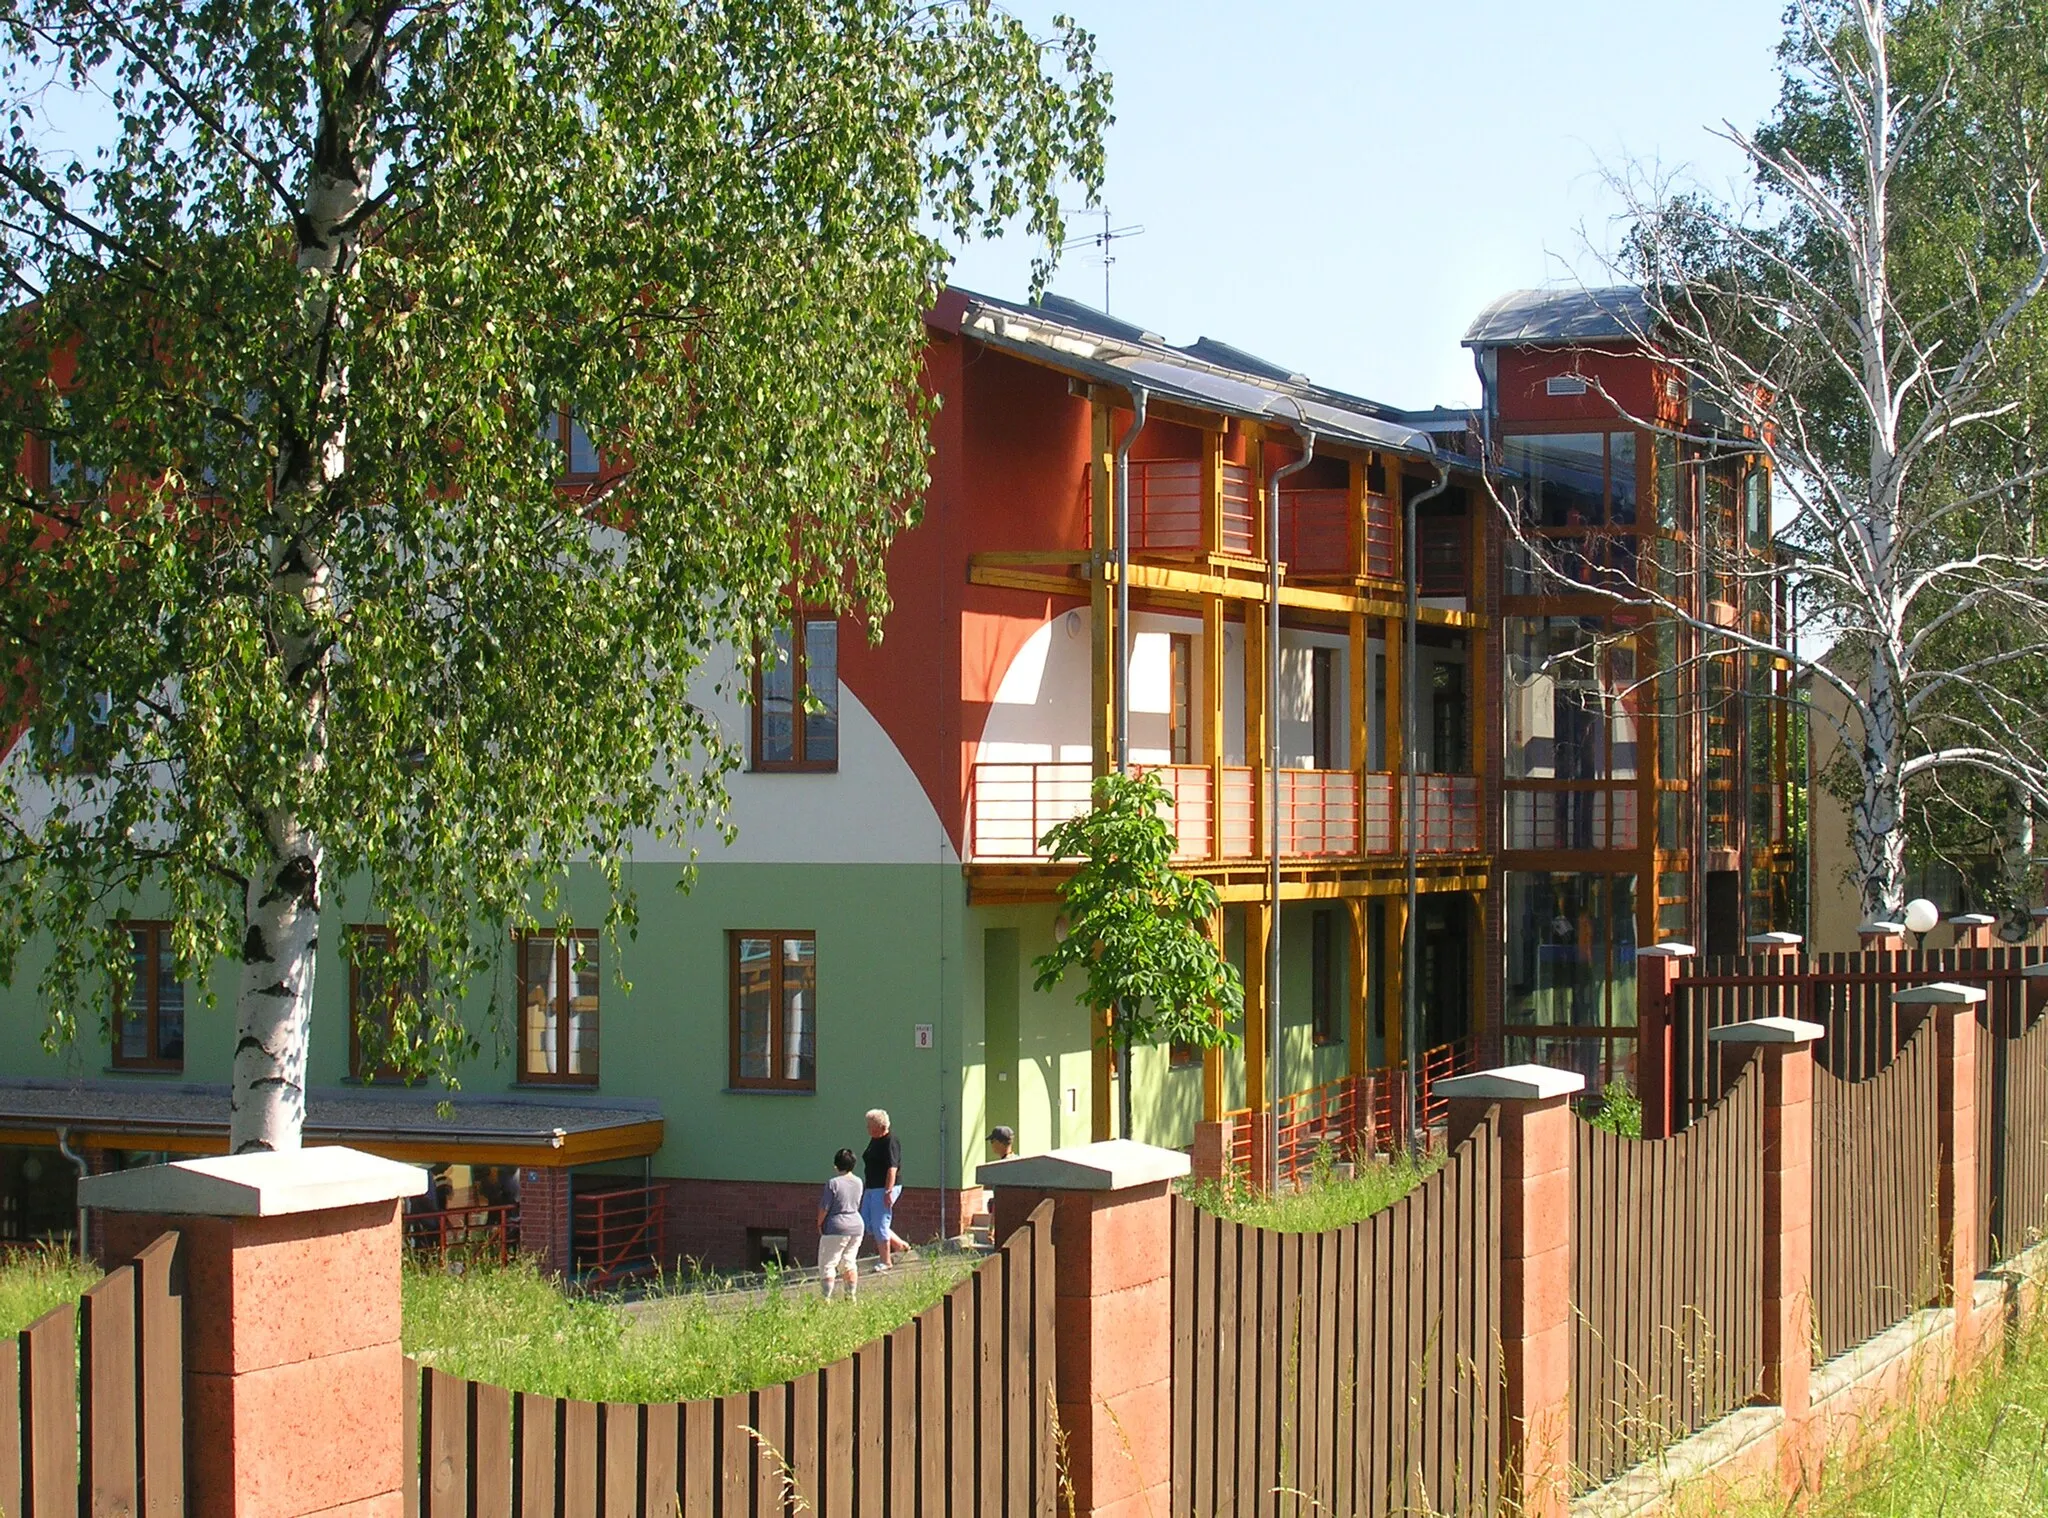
[
  {"x": 1120, "y": 684},
  {"x": 1411, "y": 1009},
  {"x": 1120, "y": 677},
  {"x": 1308, "y": 454},
  {"x": 64, "y": 1148}
]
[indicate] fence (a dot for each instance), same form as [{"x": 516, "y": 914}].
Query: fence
[
  {"x": 2012, "y": 1109},
  {"x": 1876, "y": 1253},
  {"x": 1350, "y": 1118},
  {"x": 92, "y": 1399},
  {"x": 1849, "y": 995},
  {"x": 465, "y": 1233},
  {"x": 1354, "y": 1368},
  {"x": 617, "y": 1233},
  {"x": 950, "y": 1414},
  {"x": 1666, "y": 1291}
]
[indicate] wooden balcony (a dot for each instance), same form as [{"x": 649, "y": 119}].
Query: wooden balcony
[{"x": 1322, "y": 813}]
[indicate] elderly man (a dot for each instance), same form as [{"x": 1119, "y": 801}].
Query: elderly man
[{"x": 882, "y": 1168}]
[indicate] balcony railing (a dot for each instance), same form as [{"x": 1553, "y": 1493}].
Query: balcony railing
[{"x": 1011, "y": 807}]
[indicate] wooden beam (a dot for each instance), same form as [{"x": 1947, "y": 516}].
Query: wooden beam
[
  {"x": 1395, "y": 739},
  {"x": 1212, "y": 490},
  {"x": 990, "y": 569},
  {"x": 1212, "y": 1059},
  {"x": 1257, "y": 924},
  {"x": 1393, "y": 1034},
  {"x": 1361, "y": 711},
  {"x": 1214, "y": 677},
  {"x": 1360, "y": 919}
]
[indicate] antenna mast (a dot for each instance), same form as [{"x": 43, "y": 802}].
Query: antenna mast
[{"x": 1101, "y": 241}]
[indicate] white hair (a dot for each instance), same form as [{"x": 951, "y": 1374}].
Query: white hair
[{"x": 879, "y": 1118}]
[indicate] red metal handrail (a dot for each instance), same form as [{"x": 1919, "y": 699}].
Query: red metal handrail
[
  {"x": 467, "y": 1233},
  {"x": 618, "y": 1233}
]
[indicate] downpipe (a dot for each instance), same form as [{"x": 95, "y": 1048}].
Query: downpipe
[
  {"x": 1411, "y": 1003},
  {"x": 1120, "y": 686},
  {"x": 1272, "y": 673},
  {"x": 78, "y": 1160}
]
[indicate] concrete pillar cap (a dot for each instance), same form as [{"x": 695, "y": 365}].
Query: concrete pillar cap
[
  {"x": 1768, "y": 1030},
  {"x": 1512, "y": 1083},
  {"x": 1775, "y": 940},
  {"x": 1112, "y": 1165},
  {"x": 1942, "y": 993},
  {"x": 1973, "y": 920},
  {"x": 1874, "y": 928},
  {"x": 2035, "y": 972},
  {"x": 1670, "y": 950},
  {"x": 266, "y": 1185}
]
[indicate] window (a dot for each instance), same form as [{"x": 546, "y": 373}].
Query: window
[
  {"x": 1447, "y": 717},
  {"x": 774, "y": 1011},
  {"x": 1322, "y": 667},
  {"x": 801, "y": 668},
  {"x": 1181, "y": 741},
  {"x": 375, "y": 987},
  {"x": 579, "y": 453},
  {"x": 149, "y": 1033},
  {"x": 558, "y": 1008},
  {"x": 1323, "y": 982}
]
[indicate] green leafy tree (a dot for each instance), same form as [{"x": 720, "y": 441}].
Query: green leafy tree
[
  {"x": 1137, "y": 929},
  {"x": 312, "y": 305}
]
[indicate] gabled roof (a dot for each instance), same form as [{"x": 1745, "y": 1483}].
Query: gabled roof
[
  {"x": 1615, "y": 313},
  {"x": 1206, "y": 375}
]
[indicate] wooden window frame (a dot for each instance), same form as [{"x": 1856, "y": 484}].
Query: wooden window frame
[
  {"x": 152, "y": 1002},
  {"x": 777, "y": 937},
  {"x": 1323, "y": 724},
  {"x": 527, "y": 1075},
  {"x": 563, "y": 432},
  {"x": 1180, "y": 682},
  {"x": 353, "y": 934},
  {"x": 799, "y": 683},
  {"x": 1326, "y": 1019}
]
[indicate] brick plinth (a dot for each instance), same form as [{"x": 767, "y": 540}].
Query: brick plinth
[
  {"x": 1211, "y": 1155},
  {"x": 1112, "y": 1254},
  {"x": 544, "y": 1219},
  {"x": 1656, "y": 1061},
  {"x": 708, "y": 1221},
  {"x": 1536, "y": 1313},
  {"x": 294, "y": 1376}
]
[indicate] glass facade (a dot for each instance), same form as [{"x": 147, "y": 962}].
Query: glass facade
[{"x": 1570, "y": 991}]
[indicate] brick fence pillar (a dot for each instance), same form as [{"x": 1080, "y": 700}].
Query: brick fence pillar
[
  {"x": 1211, "y": 1155},
  {"x": 1536, "y": 1270},
  {"x": 1875, "y": 934},
  {"x": 1657, "y": 969},
  {"x": 1954, "y": 1010},
  {"x": 2034, "y": 984},
  {"x": 1784, "y": 1045},
  {"x": 1974, "y": 930},
  {"x": 1112, "y": 1237},
  {"x": 294, "y": 1378}
]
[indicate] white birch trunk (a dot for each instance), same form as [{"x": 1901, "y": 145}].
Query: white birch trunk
[{"x": 274, "y": 1005}]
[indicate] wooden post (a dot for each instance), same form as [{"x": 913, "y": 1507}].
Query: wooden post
[
  {"x": 1656, "y": 974},
  {"x": 1257, "y": 924},
  {"x": 1361, "y": 710},
  {"x": 1785, "y": 1046},
  {"x": 1395, "y": 746},
  {"x": 1112, "y": 1229},
  {"x": 1214, "y": 677},
  {"x": 1536, "y": 1271},
  {"x": 1357, "y": 1062},
  {"x": 1393, "y": 979},
  {"x": 1101, "y": 593},
  {"x": 1212, "y": 490},
  {"x": 1954, "y": 1010},
  {"x": 294, "y": 1377}
]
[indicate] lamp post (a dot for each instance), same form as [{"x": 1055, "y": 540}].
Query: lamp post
[{"x": 1921, "y": 916}]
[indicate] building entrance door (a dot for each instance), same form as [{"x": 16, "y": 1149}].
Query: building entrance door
[{"x": 1443, "y": 969}]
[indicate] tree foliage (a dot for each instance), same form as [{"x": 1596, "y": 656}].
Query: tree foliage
[
  {"x": 303, "y": 601},
  {"x": 1138, "y": 929}
]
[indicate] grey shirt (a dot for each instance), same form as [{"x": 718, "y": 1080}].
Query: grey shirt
[{"x": 841, "y": 1201}]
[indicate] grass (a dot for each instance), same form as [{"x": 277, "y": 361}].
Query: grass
[
  {"x": 36, "y": 1278},
  {"x": 1325, "y": 1200},
  {"x": 511, "y": 1326},
  {"x": 1983, "y": 1455}
]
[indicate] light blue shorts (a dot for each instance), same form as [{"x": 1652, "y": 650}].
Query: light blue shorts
[{"x": 878, "y": 1210}]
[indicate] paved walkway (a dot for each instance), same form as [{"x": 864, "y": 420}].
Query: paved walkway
[{"x": 731, "y": 1294}]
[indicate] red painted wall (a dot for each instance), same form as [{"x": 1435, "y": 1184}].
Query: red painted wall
[
  {"x": 1633, "y": 382},
  {"x": 1008, "y": 471}
]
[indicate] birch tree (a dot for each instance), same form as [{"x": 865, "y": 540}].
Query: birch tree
[
  {"x": 313, "y": 308},
  {"x": 1866, "y": 323}
]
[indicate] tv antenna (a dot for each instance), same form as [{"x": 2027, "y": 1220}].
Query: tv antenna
[{"x": 1101, "y": 242}]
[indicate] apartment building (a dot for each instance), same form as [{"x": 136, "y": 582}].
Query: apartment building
[{"x": 868, "y": 938}]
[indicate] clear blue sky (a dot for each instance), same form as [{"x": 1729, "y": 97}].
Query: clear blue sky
[{"x": 1340, "y": 185}]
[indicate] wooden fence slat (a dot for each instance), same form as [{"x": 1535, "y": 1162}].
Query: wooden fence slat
[
  {"x": 770, "y": 1442},
  {"x": 835, "y": 1420},
  {"x": 536, "y": 1431},
  {"x": 580, "y": 1453},
  {"x": 160, "y": 1350},
  {"x": 870, "y": 1425},
  {"x": 11, "y": 1424},
  {"x": 931, "y": 1398},
  {"x": 905, "y": 1426},
  {"x": 1013, "y": 1368},
  {"x": 1185, "y": 1280},
  {"x": 804, "y": 1448},
  {"x": 1044, "y": 1363},
  {"x": 49, "y": 1384},
  {"x": 107, "y": 1428},
  {"x": 700, "y": 1458},
  {"x": 731, "y": 1417},
  {"x": 661, "y": 1483},
  {"x": 490, "y": 1453},
  {"x": 618, "y": 1472},
  {"x": 962, "y": 1352},
  {"x": 447, "y": 1441}
]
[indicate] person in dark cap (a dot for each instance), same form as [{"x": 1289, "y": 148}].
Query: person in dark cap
[{"x": 1002, "y": 1141}]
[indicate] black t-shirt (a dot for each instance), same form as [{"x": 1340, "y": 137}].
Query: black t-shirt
[{"x": 881, "y": 1156}]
